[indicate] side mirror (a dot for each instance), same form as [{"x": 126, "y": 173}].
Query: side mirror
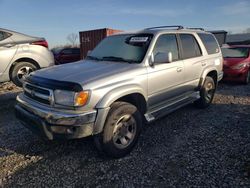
[{"x": 162, "y": 57}]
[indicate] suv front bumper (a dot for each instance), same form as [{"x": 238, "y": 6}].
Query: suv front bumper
[{"x": 54, "y": 124}]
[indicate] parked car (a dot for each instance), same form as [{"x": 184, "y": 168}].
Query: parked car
[
  {"x": 126, "y": 79},
  {"x": 21, "y": 54},
  {"x": 66, "y": 55},
  {"x": 236, "y": 64}
]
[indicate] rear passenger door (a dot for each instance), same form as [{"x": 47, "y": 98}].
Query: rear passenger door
[
  {"x": 7, "y": 51},
  {"x": 192, "y": 59}
]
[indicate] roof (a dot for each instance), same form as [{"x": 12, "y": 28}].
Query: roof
[{"x": 163, "y": 29}]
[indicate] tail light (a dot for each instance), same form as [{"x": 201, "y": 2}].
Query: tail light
[{"x": 41, "y": 43}]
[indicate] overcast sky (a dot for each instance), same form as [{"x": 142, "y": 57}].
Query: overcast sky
[{"x": 55, "y": 19}]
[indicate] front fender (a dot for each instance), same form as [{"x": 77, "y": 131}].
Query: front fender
[
  {"x": 103, "y": 105},
  {"x": 119, "y": 92}
]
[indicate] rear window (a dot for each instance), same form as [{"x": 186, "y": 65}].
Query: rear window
[
  {"x": 239, "y": 52},
  {"x": 190, "y": 46},
  {"x": 56, "y": 50},
  {"x": 209, "y": 42}
]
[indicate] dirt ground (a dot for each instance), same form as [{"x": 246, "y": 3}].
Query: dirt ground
[{"x": 187, "y": 148}]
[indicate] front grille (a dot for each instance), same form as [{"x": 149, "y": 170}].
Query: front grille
[{"x": 39, "y": 94}]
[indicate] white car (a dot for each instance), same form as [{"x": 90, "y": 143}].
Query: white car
[{"x": 21, "y": 54}]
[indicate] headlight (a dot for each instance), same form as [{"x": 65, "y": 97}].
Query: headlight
[
  {"x": 70, "y": 98},
  {"x": 239, "y": 66}
]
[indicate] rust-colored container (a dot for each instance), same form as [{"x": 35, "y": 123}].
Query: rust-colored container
[{"x": 89, "y": 39}]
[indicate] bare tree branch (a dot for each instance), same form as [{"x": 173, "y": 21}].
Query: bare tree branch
[{"x": 73, "y": 39}]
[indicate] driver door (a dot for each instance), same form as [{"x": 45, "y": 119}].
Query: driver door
[{"x": 165, "y": 79}]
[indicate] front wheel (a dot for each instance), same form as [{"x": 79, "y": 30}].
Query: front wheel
[
  {"x": 206, "y": 93},
  {"x": 121, "y": 130}
]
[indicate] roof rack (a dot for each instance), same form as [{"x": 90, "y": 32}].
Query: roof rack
[
  {"x": 178, "y": 27},
  {"x": 196, "y": 28}
]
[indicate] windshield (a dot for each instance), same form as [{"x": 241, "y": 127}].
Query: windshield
[
  {"x": 122, "y": 48},
  {"x": 56, "y": 50},
  {"x": 239, "y": 52}
]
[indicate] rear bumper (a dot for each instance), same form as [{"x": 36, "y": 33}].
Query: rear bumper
[{"x": 53, "y": 124}]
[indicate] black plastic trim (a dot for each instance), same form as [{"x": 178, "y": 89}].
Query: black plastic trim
[{"x": 54, "y": 84}]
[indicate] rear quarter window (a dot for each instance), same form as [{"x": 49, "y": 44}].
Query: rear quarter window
[
  {"x": 210, "y": 43},
  {"x": 3, "y": 35}
]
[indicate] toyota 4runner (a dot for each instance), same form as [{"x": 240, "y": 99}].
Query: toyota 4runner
[{"x": 127, "y": 80}]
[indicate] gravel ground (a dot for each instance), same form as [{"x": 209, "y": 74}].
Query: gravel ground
[{"x": 188, "y": 148}]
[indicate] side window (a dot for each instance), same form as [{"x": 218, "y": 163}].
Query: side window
[
  {"x": 190, "y": 46},
  {"x": 167, "y": 43},
  {"x": 209, "y": 42},
  {"x": 67, "y": 51},
  {"x": 76, "y": 51}
]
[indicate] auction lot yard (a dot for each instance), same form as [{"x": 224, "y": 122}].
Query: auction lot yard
[{"x": 189, "y": 147}]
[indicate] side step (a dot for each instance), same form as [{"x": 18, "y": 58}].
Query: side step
[{"x": 170, "y": 107}]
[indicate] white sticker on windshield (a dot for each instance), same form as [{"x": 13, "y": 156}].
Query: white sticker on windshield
[{"x": 138, "y": 39}]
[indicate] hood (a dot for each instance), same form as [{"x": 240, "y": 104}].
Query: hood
[
  {"x": 228, "y": 62},
  {"x": 83, "y": 72}
]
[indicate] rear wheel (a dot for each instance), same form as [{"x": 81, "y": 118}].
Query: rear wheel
[
  {"x": 206, "y": 93},
  {"x": 121, "y": 130},
  {"x": 20, "y": 70}
]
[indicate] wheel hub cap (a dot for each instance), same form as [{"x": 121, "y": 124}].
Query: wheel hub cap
[
  {"x": 124, "y": 131},
  {"x": 23, "y": 71}
]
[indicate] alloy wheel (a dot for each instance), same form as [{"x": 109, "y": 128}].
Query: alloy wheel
[{"x": 124, "y": 131}]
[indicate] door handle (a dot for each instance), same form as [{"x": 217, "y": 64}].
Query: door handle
[
  {"x": 179, "y": 69},
  {"x": 203, "y": 64}
]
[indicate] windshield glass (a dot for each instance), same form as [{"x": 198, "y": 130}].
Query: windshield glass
[
  {"x": 56, "y": 50},
  {"x": 122, "y": 48},
  {"x": 239, "y": 52}
]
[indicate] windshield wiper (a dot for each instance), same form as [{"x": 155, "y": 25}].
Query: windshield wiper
[
  {"x": 93, "y": 58},
  {"x": 113, "y": 58}
]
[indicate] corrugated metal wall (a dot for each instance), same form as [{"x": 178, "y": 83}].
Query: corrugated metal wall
[{"x": 89, "y": 39}]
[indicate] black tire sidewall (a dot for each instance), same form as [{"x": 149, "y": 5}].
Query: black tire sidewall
[
  {"x": 118, "y": 110},
  {"x": 17, "y": 67},
  {"x": 202, "y": 102}
]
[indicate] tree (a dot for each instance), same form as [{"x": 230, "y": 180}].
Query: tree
[{"x": 73, "y": 39}]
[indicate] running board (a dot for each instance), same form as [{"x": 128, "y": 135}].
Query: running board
[{"x": 171, "y": 106}]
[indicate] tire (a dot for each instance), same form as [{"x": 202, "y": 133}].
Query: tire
[
  {"x": 20, "y": 70},
  {"x": 121, "y": 130},
  {"x": 247, "y": 78},
  {"x": 206, "y": 93}
]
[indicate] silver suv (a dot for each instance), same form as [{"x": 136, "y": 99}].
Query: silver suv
[
  {"x": 127, "y": 80},
  {"x": 21, "y": 54}
]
